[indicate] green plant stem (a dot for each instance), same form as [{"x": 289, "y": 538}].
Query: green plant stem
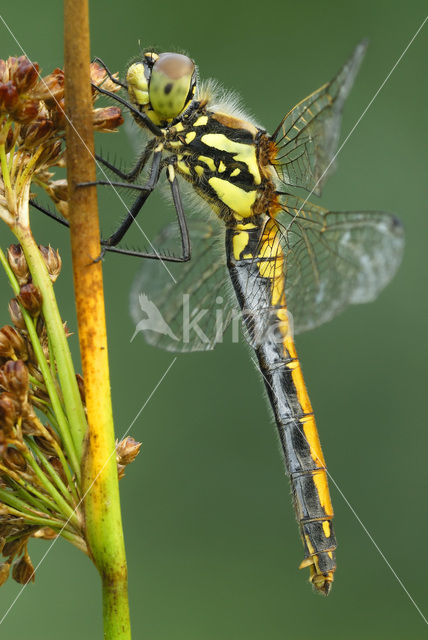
[
  {"x": 61, "y": 419},
  {"x": 50, "y": 470},
  {"x": 76, "y": 540},
  {"x": 37, "y": 496},
  {"x": 55, "y": 329},
  {"x": 99, "y": 470},
  {"x": 62, "y": 505},
  {"x": 21, "y": 509},
  {"x": 26, "y": 496}
]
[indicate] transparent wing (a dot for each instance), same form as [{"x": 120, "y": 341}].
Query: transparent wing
[
  {"x": 308, "y": 135},
  {"x": 186, "y": 306},
  {"x": 334, "y": 259}
]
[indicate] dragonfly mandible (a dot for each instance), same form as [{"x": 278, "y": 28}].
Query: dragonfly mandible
[{"x": 254, "y": 231}]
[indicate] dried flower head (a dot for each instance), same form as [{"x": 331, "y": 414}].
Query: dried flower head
[
  {"x": 52, "y": 261},
  {"x": 32, "y": 130},
  {"x": 18, "y": 263},
  {"x": 126, "y": 452},
  {"x": 31, "y": 299}
]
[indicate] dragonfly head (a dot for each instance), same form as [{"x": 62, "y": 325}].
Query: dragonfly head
[{"x": 164, "y": 83}]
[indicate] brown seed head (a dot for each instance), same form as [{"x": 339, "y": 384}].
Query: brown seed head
[
  {"x": 13, "y": 459},
  {"x": 18, "y": 77},
  {"x": 46, "y": 533},
  {"x": 14, "y": 378},
  {"x": 23, "y": 570},
  {"x": 23, "y": 73},
  {"x": 46, "y": 443},
  {"x": 10, "y": 336},
  {"x": 4, "y": 572},
  {"x": 16, "y": 314},
  {"x": 50, "y": 89},
  {"x": 18, "y": 263},
  {"x": 52, "y": 260},
  {"x": 37, "y": 133},
  {"x": 99, "y": 77},
  {"x": 9, "y": 413},
  {"x": 31, "y": 299},
  {"x": 107, "y": 119},
  {"x": 127, "y": 450}
]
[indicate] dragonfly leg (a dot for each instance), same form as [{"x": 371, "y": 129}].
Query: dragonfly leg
[
  {"x": 181, "y": 217},
  {"x": 109, "y": 73},
  {"x": 182, "y": 223},
  {"x": 141, "y": 117},
  {"x": 133, "y": 174},
  {"x": 49, "y": 213},
  {"x": 146, "y": 190}
]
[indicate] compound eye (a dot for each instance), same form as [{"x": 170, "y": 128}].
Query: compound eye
[{"x": 171, "y": 84}]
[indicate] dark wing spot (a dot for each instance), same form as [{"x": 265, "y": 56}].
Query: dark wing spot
[{"x": 168, "y": 88}]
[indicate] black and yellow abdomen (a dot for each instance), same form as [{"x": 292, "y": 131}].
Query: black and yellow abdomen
[{"x": 256, "y": 266}]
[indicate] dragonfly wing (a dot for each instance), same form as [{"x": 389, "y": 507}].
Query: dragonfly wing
[
  {"x": 184, "y": 306},
  {"x": 308, "y": 135},
  {"x": 334, "y": 259}
]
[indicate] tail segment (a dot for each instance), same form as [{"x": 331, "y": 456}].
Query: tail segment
[{"x": 255, "y": 262}]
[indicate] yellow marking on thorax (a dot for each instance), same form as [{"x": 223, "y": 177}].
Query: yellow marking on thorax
[
  {"x": 240, "y": 241},
  {"x": 234, "y": 197},
  {"x": 241, "y": 152},
  {"x": 208, "y": 161},
  {"x": 190, "y": 136},
  {"x": 179, "y": 127},
  {"x": 181, "y": 166},
  {"x": 235, "y": 172},
  {"x": 175, "y": 143},
  {"x": 243, "y": 226},
  {"x": 221, "y": 167},
  {"x": 199, "y": 170},
  {"x": 200, "y": 122}
]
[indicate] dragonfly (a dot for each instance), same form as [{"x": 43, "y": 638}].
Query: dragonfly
[{"x": 253, "y": 243}]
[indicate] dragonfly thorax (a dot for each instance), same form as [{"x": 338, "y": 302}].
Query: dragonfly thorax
[{"x": 219, "y": 154}]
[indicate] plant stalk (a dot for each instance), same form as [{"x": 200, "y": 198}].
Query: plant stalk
[{"x": 99, "y": 470}]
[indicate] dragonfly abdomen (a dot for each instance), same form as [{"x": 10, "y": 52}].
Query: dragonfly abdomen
[{"x": 255, "y": 263}]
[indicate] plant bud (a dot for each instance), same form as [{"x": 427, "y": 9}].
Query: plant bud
[
  {"x": 57, "y": 465},
  {"x": 9, "y": 412},
  {"x": 31, "y": 299},
  {"x": 107, "y": 119},
  {"x": 127, "y": 450},
  {"x": 24, "y": 74},
  {"x": 23, "y": 570},
  {"x": 46, "y": 443},
  {"x": 16, "y": 314},
  {"x": 18, "y": 263},
  {"x": 17, "y": 344},
  {"x": 14, "y": 378},
  {"x": 46, "y": 533},
  {"x": 52, "y": 260},
  {"x": 4, "y": 572},
  {"x": 14, "y": 460}
]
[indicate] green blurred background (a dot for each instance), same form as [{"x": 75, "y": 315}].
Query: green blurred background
[{"x": 212, "y": 544}]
